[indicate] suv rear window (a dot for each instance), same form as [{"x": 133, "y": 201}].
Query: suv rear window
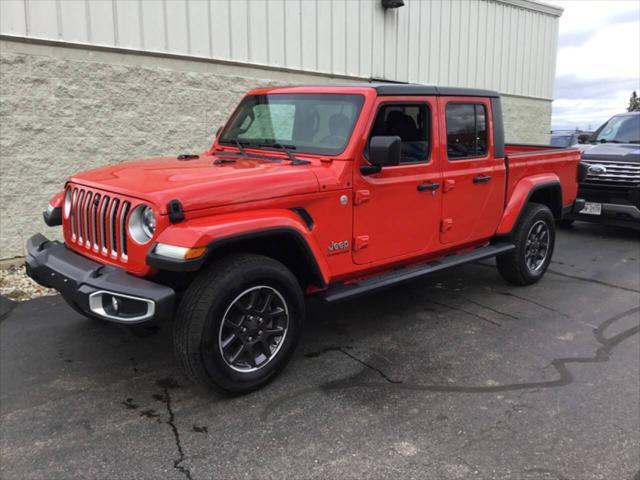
[{"x": 466, "y": 130}]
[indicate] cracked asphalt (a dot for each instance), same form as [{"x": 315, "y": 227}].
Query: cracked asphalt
[{"x": 455, "y": 376}]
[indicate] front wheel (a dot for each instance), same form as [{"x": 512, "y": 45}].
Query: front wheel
[
  {"x": 534, "y": 237},
  {"x": 238, "y": 323}
]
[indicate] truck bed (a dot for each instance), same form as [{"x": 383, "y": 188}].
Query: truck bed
[
  {"x": 525, "y": 160},
  {"x": 515, "y": 148}
]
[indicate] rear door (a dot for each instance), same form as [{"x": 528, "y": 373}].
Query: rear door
[
  {"x": 473, "y": 179},
  {"x": 397, "y": 211}
]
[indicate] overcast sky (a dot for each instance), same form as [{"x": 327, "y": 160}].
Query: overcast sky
[{"x": 598, "y": 61}]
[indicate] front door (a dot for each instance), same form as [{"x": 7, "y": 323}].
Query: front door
[
  {"x": 397, "y": 211},
  {"x": 473, "y": 180}
]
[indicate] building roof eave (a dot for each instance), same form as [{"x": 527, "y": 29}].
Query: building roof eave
[{"x": 536, "y": 6}]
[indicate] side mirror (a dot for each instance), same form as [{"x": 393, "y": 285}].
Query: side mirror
[
  {"x": 383, "y": 152},
  {"x": 584, "y": 138}
]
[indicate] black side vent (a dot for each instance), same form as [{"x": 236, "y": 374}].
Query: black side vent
[
  {"x": 176, "y": 214},
  {"x": 304, "y": 215},
  {"x": 188, "y": 156}
]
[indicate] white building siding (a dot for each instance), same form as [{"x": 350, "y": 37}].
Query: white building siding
[{"x": 507, "y": 45}]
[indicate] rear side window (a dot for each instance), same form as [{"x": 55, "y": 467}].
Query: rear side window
[
  {"x": 409, "y": 121},
  {"x": 466, "y": 130}
]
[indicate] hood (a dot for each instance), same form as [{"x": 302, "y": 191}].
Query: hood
[
  {"x": 200, "y": 183},
  {"x": 626, "y": 152}
]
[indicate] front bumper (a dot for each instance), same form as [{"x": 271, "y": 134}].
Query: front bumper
[{"x": 98, "y": 290}]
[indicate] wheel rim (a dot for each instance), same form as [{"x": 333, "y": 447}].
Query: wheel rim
[
  {"x": 537, "y": 246},
  {"x": 253, "y": 329}
]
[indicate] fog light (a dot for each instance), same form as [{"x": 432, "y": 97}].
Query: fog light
[{"x": 123, "y": 308}]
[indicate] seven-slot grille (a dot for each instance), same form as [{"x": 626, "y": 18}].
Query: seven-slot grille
[
  {"x": 98, "y": 222},
  {"x": 614, "y": 173}
]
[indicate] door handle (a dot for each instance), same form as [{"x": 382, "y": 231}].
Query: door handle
[
  {"x": 482, "y": 178},
  {"x": 424, "y": 187}
]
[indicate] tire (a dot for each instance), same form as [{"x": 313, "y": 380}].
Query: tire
[
  {"x": 524, "y": 265},
  {"x": 230, "y": 295}
]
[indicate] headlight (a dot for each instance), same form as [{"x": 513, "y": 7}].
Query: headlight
[
  {"x": 67, "y": 203},
  {"x": 148, "y": 222},
  {"x": 142, "y": 224}
]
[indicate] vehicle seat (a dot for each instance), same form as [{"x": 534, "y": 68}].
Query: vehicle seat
[
  {"x": 306, "y": 128},
  {"x": 403, "y": 126},
  {"x": 339, "y": 126}
]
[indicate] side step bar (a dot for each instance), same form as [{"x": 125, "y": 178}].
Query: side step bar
[{"x": 389, "y": 279}]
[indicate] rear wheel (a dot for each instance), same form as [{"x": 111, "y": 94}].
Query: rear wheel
[
  {"x": 534, "y": 238},
  {"x": 238, "y": 323}
]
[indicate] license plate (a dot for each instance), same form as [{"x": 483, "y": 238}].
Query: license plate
[{"x": 592, "y": 209}]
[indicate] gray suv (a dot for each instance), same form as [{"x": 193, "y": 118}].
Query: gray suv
[{"x": 611, "y": 188}]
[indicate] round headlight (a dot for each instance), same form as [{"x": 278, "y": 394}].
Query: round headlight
[
  {"x": 142, "y": 224},
  {"x": 148, "y": 222},
  {"x": 67, "y": 203}
]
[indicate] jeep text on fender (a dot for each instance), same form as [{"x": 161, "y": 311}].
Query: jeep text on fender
[{"x": 333, "y": 191}]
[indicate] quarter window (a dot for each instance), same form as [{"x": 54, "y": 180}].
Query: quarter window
[
  {"x": 466, "y": 130},
  {"x": 412, "y": 123}
]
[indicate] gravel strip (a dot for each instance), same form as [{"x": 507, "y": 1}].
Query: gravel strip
[{"x": 15, "y": 284}]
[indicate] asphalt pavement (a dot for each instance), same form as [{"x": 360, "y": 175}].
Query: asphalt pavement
[{"x": 456, "y": 376}]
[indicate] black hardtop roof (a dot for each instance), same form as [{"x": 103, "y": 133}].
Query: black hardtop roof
[
  {"x": 417, "y": 89},
  {"x": 398, "y": 89}
]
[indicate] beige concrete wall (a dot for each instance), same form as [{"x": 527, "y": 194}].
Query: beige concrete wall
[
  {"x": 63, "y": 110},
  {"x": 526, "y": 120}
]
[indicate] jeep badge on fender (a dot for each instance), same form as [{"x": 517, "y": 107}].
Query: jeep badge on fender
[{"x": 335, "y": 246}]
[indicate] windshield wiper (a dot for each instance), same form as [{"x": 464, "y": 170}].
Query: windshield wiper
[
  {"x": 239, "y": 145},
  {"x": 279, "y": 146},
  {"x": 236, "y": 142},
  {"x": 287, "y": 149}
]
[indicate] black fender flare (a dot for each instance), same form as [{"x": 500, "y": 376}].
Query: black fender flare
[{"x": 218, "y": 244}]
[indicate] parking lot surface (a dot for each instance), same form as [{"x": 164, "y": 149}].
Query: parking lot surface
[{"x": 455, "y": 376}]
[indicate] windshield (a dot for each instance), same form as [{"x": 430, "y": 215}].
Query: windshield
[
  {"x": 306, "y": 123},
  {"x": 620, "y": 129},
  {"x": 561, "y": 140}
]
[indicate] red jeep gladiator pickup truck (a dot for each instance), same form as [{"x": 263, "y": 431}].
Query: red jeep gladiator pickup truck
[{"x": 331, "y": 191}]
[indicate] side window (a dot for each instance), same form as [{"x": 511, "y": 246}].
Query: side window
[
  {"x": 466, "y": 130},
  {"x": 412, "y": 123}
]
